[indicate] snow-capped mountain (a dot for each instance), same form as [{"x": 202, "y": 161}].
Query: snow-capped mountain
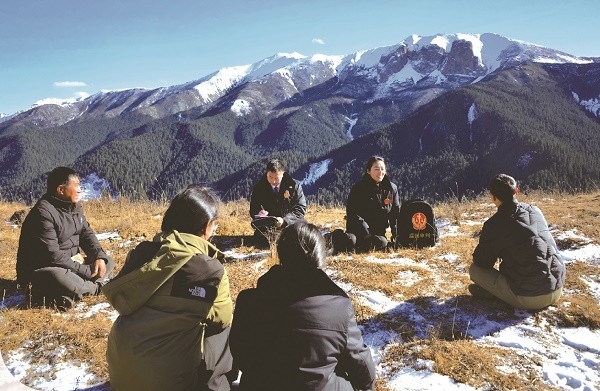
[
  {"x": 304, "y": 108},
  {"x": 442, "y": 61}
]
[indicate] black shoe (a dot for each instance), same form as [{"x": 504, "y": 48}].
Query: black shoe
[
  {"x": 63, "y": 303},
  {"x": 478, "y": 291}
]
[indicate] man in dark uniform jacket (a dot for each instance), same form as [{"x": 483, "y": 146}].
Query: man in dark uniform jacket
[
  {"x": 49, "y": 261},
  {"x": 277, "y": 201},
  {"x": 531, "y": 272}
]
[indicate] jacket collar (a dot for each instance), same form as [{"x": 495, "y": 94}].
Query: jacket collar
[
  {"x": 58, "y": 203},
  {"x": 508, "y": 206}
]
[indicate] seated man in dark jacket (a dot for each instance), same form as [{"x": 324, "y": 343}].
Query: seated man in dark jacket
[
  {"x": 531, "y": 273},
  {"x": 297, "y": 330},
  {"x": 277, "y": 201},
  {"x": 49, "y": 261}
]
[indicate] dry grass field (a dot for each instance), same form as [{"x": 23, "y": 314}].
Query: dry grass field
[{"x": 432, "y": 320}]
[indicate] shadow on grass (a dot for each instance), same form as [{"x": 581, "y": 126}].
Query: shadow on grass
[
  {"x": 11, "y": 296},
  {"x": 460, "y": 317}
]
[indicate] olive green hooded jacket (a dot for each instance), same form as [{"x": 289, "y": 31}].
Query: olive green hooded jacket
[{"x": 172, "y": 294}]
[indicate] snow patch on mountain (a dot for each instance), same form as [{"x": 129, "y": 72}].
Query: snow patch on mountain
[
  {"x": 591, "y": 105},
  {"x": 351, "y": 121},
  {"x": 525, "y": 160},
  {"x": 561, "y": 59},
  {"x": 471, "y": 117},
  {"x": 220, "y": 81},
  {"x": 287, "y": 75},
  {"x": 472, "y": 114},
  {"x": 241, "y": 107},
  {"x": 92, "y": 187},
  {"x": 316, "y": 171}
]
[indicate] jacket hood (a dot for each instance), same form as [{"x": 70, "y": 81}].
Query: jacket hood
[{"x": 131, "y": 291}]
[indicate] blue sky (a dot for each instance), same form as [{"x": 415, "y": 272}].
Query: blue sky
[{"x": 66, "y": 48}]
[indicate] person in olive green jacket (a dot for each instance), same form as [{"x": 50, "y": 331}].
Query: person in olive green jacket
[{"x": 174, "y": 305}]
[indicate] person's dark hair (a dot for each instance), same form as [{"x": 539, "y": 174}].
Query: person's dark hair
[
  {"x": 191, "y": 210},
  {"x": 503, "y": 187},
  {"x": 275, "y": 165},
  {"x": 372, "y": 161},
  {"x": 59, "y": 176},
  {"x": 301, "y": 245}
]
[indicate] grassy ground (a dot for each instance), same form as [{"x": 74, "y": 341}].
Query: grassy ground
[{"x": 433, "y": 276}]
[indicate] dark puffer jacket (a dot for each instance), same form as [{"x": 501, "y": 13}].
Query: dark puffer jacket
[
  {"x": 51, "y": 234},
  {"x": 518, "y": 234},
  {"x": 289, "y": 203},
  {"x": 372, "y": 207},
  {"x": 297, "y": 331}
]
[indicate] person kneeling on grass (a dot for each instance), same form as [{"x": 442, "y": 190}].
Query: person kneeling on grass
[
  {"x": 50, "y": 265},
  {"x": 531, "y": 273},
  {"x": 297, "y": 330},
  {"x": 174, "y": 306}
]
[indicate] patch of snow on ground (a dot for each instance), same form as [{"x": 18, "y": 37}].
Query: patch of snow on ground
[
  {"x": 108, "y": 235},
  {"x": 246, "y": 257},
  {"x": 569, "y": 358},
  {"x": 65, "y": 376},
  {"x": 393, "y": 261},
  {"x": 411, "y": 379},
  {"x": 590, "y": 252},
  {"x": 452, "y": 258},
  {"x": 408, "y": 278},
  {"x": 100, "y": 308}
]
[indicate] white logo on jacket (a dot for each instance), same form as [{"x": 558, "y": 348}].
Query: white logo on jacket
[{"x": 197, "y": 291}]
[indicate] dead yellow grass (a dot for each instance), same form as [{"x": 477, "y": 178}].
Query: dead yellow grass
[{"x": 438, "y": 280}]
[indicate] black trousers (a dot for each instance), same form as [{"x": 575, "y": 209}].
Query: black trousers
[{"x": 52, "y": 282}]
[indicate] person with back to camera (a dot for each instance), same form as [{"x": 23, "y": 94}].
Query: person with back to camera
[
  {"x": 174, "y": 305},
  {"x": 49, "y": 261},
  {"x": 297, "y": 330},
  {"x": 373, "y": 206},
  {"x": 277, "y": 200},
  {"x": 531, "y": 273}
]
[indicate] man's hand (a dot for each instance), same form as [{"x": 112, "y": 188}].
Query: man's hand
[
  {"x": 262, "y": 213},
  {"x": 279, "y": 221},
  {"x": 99, "y": 268}
]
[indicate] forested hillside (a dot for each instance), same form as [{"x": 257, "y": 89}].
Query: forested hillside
[{"x": 520, "y": 121}]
